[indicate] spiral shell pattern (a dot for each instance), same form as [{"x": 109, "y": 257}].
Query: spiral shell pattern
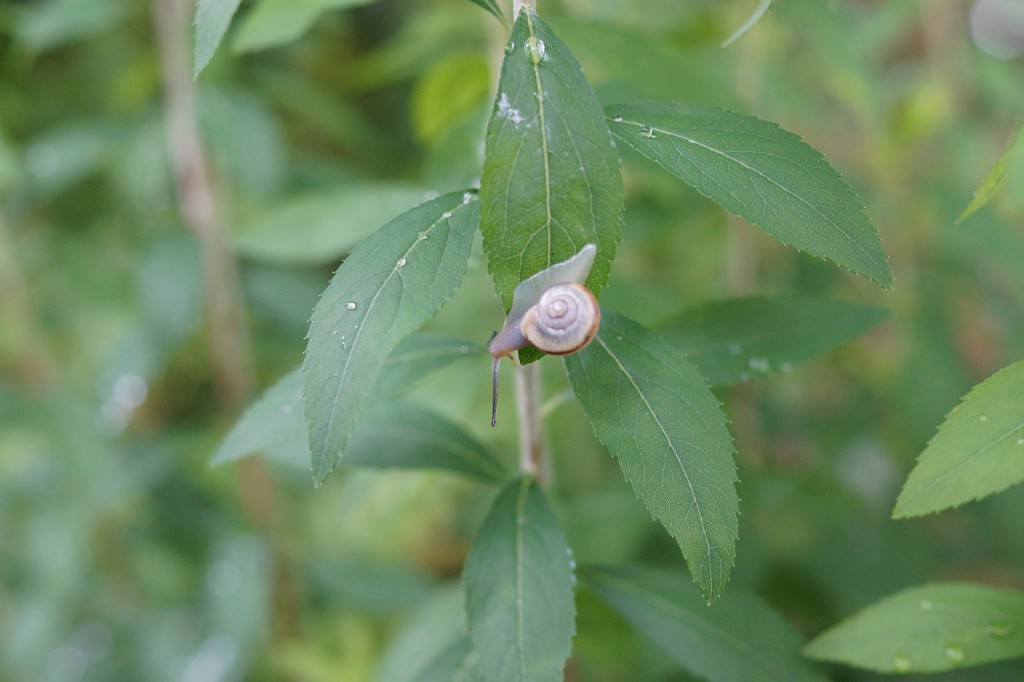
[{"x": 564, "y": 320}]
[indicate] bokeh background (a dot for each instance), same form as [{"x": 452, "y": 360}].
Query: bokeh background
[{"x": 124, "y": 556}]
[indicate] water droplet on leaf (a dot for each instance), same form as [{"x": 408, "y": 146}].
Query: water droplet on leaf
[
  {"x": 401, "y": 263},
  {"x": 351, "y": 305},
  {"x": 536, "y": 49},
  {"x": 421, "y": 236},
  {"x": 955, "y": 654},
  {"x": 617, "y": 119},
  {"x": 446, "y": 215},
  {"x": 647, "y": 131},
  {"x": 510, "y": 46}
]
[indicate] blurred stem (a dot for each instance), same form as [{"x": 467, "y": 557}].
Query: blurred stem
[
  {"x": 197, "y": 205},
  {"x": 531, "y": 437},
  {"x": 229, "y": 337},
  {"x": 34, "y": 358}
]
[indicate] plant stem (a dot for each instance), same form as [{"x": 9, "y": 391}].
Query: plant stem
[
  {"x": 531, "y": 437},
  {"x": 229, "y": 336}
]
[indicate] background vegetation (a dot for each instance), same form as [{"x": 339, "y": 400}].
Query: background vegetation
[{"x": 125, "y": 556}]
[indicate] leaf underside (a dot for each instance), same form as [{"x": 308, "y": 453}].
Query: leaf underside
[
  {"x": 930, "y": 628},
  {"x": 654, "y": 412}
]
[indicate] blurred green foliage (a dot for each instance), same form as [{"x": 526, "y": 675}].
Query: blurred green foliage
[{"x": 124, "y": 556}]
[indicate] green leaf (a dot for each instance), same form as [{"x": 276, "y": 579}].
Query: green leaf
[
  {"x": 320, "y": 228},
  {"x": 761, "y": 172},
  {"x": 454, "y": 664},
  {"x": 551, "y": 180},
  {"x": 279, "y": 22},
  {"x": 449, "y": 91},
  {"x": 735, "y": 339},
  {"x": 212, "y": 20},
  {"x": 492, "y": 7},
  {"x": 274, "y": 424},
  {"x": 519, "y": 589},
  {"x": 399, "y": 435},
  {"x": 418, "y": 356},
  {"x": 930, "y": 628},
  {"x": 394, "y": 281},
  {"x": 739, "y": 639},
  {"x": 994, "y": 179},
  {"x": 394, "y": 435},
  {"x": 655, "y": 413},
  {"x": 762, "y": 9},
  {"x": 979, "y": 449}
]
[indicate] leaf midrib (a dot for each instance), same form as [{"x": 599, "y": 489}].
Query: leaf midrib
[{"x": 682, "y": 467}]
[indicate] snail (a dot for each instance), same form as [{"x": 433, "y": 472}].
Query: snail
[{"x": 551, "y": 310}]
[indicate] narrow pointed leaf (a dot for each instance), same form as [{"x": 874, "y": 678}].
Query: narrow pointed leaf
[
  {"x": 930, "y": 628},
  {"x": 212, "y": 20},
  {"x": 492, "y": 7},
  {"x": 738, "y": 639},
  {"x": 551, "y": 180},
  {"x": 762, "y": 9},
  {"x": 279, "y": 22},
  {"x": 738, "y": 339},
  {"x": 394, "y": 281},
  {"x": 654, "y": 412},
  {"x": 761, "y": 172},
  {"x": 417, "y": 357},
  {"x": 519, "y": 589},
  {"x": 994, "y": 180},
  {"x": 979, "y": 449}
]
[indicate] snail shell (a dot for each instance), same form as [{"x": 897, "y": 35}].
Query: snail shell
[{"x": 564, "y": 319}]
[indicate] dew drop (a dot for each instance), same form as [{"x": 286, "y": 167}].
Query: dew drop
[
  {"x": 759, "y": 365},
  {"x": 467, "y": 197},
  {"x": 617, "y": 119},
  {"x": 510, "y": 47},
  {"x": 735, "y": 349},
  {"x": 351, "y": 305},
  {"x": 647, "y": 131},
  {"x": 536, "y": 49},
  {"x": 901, "y": 663},
  {"x": 421, "y": 236},
  {"x": 446, "y": 215},
  {"x": 954, "y": 654},
  {"x": 401, "y": 263},
  {"x": 998, "y": 630}
]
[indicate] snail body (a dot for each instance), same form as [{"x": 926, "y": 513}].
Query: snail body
[{"x": 551, "y": 310}]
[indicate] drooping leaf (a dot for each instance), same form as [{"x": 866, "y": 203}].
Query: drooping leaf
[
  {"x": 418, "y": 356},
  {"x": 274, "y": 424},
  {"x": 320, "y": 228},
  {"x": 929, "y": 628},
  {"x": 736, "y": 339},
  {"x": 394, "y": 280},
  {"x": 978, "y": 450},
  {"x": 278, "y": 22},
  {"x": 654, "y": 412},
  {"x": 213, "y": 17},
  {"x": 551, "y": 180},
  {"x": 994, "y": 180},
  {"x": 401, "y": 435},
  {"x": 761, "y": 172},
  {"x": 519, "y": 589},
  {"x": 762, "y": 9},
  {"x": 738, "y": 639},
  {"x": 492, "y": 7}
]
